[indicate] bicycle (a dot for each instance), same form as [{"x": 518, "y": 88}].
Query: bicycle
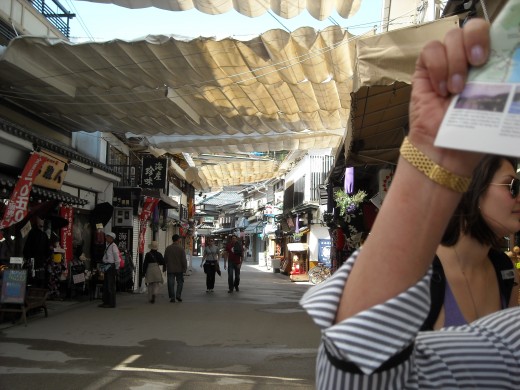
[{"x": 319, "y": 273}]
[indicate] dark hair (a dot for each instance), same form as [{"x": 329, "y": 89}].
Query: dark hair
[
  {"x": 467, "y": 218},
  {"x": 175, "y": 237}
]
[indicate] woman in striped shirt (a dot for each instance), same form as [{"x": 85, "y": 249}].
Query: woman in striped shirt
[{"x": 371, "y": 310}]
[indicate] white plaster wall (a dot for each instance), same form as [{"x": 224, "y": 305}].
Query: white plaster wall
[{"x": 317, "y": 232}]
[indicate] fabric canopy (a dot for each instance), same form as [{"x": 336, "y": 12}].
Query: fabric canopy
[
  {"x": 278, "y": 92},
  {"x": 319, "y": 9},
  {"x": 287, "y": 92},
  {"x": 382, "y": 86},
  {"x": 254, "y": 228}
]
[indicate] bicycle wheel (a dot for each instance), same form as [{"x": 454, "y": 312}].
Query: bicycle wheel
[
  {"x": 314, "y": 274},
  {"x": 326, "y": 273},
  {"x": 316, "y": 279}
]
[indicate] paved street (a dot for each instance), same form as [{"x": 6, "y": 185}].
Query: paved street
[{"x": 258, "y": 338}]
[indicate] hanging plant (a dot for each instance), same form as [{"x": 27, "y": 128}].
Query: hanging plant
[
  {"x": 297, "y": 237},
  {"x": 348, "y": 203}
]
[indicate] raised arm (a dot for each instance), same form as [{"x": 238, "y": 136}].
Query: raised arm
[{"x": 416, "y": 210}]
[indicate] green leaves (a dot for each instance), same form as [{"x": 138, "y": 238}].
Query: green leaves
[{"x": 348, "y": 203}]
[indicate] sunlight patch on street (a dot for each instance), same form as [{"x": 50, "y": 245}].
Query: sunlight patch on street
[{"x": 124, "y": 367}]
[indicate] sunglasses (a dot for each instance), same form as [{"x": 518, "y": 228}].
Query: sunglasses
[{"x": 514, "y": 186}]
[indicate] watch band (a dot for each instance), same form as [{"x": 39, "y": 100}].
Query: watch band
[{"x": 433, "y": 171}]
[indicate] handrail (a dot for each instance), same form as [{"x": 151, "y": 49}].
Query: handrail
[{"x": 53, "y": 17}]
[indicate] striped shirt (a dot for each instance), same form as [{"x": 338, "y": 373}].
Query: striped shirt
[{"x": 381, "y": 348}]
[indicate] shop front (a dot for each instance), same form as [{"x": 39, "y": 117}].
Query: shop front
[
  {"x": 46, "y": 209},
  {"x": 254, "y": 242},
  {"x": 299, "y": 256}
]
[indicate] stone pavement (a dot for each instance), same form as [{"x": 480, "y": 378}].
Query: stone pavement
[{"x": 258, "y": 338}]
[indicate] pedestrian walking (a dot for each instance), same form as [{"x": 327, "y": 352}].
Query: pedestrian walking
[
  {"x": 176, "y": 266},
  {"x": 210, "y": 263},
  {"x": 233, "y": 263},
  {"x": 110, "y": 267},
  {"x": 153, "y": 261}
]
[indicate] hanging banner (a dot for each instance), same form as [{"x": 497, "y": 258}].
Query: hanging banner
[
  {"x": 16, "y": 209},
  {"x": 67, "y": 212},
  {"x": 148, "y": 207}
]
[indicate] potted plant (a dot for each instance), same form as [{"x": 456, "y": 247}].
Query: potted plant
[{"x": 347, "y": 203}]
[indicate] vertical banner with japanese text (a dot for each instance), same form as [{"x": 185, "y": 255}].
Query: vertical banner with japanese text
[
  {"x": 16, "y": 209},
  {"x": 149, "y": 205},
  {"x": 67, "y": 213}
]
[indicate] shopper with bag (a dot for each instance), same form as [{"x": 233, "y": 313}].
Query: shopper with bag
[
  {"x": 210, "y": 263},
  {"x": 153, "y": 275}
]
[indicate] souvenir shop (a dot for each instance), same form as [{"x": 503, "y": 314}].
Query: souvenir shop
[{"x": 46, "y": 210}]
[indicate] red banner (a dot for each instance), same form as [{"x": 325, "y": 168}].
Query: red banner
[
  {"x": 16, "y": 209},
  {"x": 67, "y": 212},
  {"x": 148, "y": 207}
]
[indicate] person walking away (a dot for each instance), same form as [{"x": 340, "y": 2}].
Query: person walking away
[
  {"x": 153, "y": 261},
  {"x": 110, "y": 266},
  {"x": 55, "y": 268},
  {"x": 38, "y": 247},
  {"x": 234, "y": 262},
  {"x": 176, "y": 266},
  {"x": 210, "y": 261}
]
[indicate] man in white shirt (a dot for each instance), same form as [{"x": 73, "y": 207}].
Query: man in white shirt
[{"x": 110, "y": 266}]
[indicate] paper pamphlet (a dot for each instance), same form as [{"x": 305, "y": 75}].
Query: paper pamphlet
[{"x": 485, "y": 117}]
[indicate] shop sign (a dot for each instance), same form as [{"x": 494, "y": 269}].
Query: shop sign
[
  {"x": 67, "y": 213},
  {"x": 13, "y": 286},
  {"x": 124, "y": 238},
  {"x": 154, "y": 173},
  {"x": 53, "y": 172},
  {"x": 271, "y": 210},
  {"x": 324, "y": 251},
  {"x": 297, "y": 246},
  {"x": 148, "y": 207},
  {"x": 16, "y": 209}
]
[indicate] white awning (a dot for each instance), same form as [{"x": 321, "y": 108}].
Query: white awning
[
  {"x": 382, "y": 87},
  {"x": 254, "y": 228},
  {"x": 278, "y": 92},
  {"x": 319, "y": 9}
]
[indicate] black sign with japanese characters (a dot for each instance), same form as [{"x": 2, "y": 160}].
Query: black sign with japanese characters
[
  {"x": 124, "y": 238},
  {"x": 154, "y": 173}
]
